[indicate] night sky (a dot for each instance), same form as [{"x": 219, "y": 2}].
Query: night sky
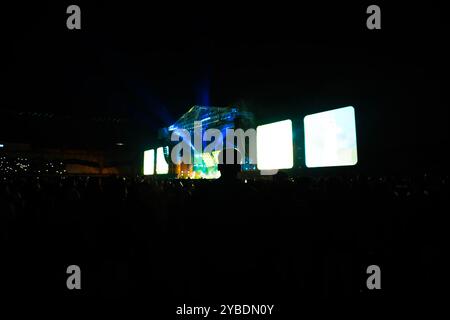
[{"x": 132, "y": 69}]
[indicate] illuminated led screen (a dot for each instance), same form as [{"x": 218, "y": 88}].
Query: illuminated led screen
[
  {"x": 274, "y": 146},
  {"x": 149, "y": 162},
  {"x": 162, "y": 167},
  {"x": 330, "y": 138}
]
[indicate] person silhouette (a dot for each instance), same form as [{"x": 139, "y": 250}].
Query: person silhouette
[{"x": 230, "y": 160}]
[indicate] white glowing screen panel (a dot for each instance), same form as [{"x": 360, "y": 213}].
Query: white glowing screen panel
[
  {"x": 274, "y": 146},
  {"x": 330, "y": 138},
  {"x": 162, "y": 167},
  {"x": 149, "y": 162}
]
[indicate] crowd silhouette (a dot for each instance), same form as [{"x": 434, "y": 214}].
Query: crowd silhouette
[{"x": 184, "y": 240}]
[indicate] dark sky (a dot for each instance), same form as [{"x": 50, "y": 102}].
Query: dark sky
[{"x": 133, "y": 68}]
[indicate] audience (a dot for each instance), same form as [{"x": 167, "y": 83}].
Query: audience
[{"x": 283, "y": 238}]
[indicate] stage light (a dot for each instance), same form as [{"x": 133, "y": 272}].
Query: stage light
[
  {"x": 119, "y": 144},
  {"x": 274, "y": 146},
  {"x": 161, "y": 164},
  {"x": 330, "y": 138},
  {"x": 149, "y": 162}
]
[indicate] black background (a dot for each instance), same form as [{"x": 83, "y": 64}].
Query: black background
[
  {"x": 145, "y": 65},
  {"x": 134, "y": 67}
]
